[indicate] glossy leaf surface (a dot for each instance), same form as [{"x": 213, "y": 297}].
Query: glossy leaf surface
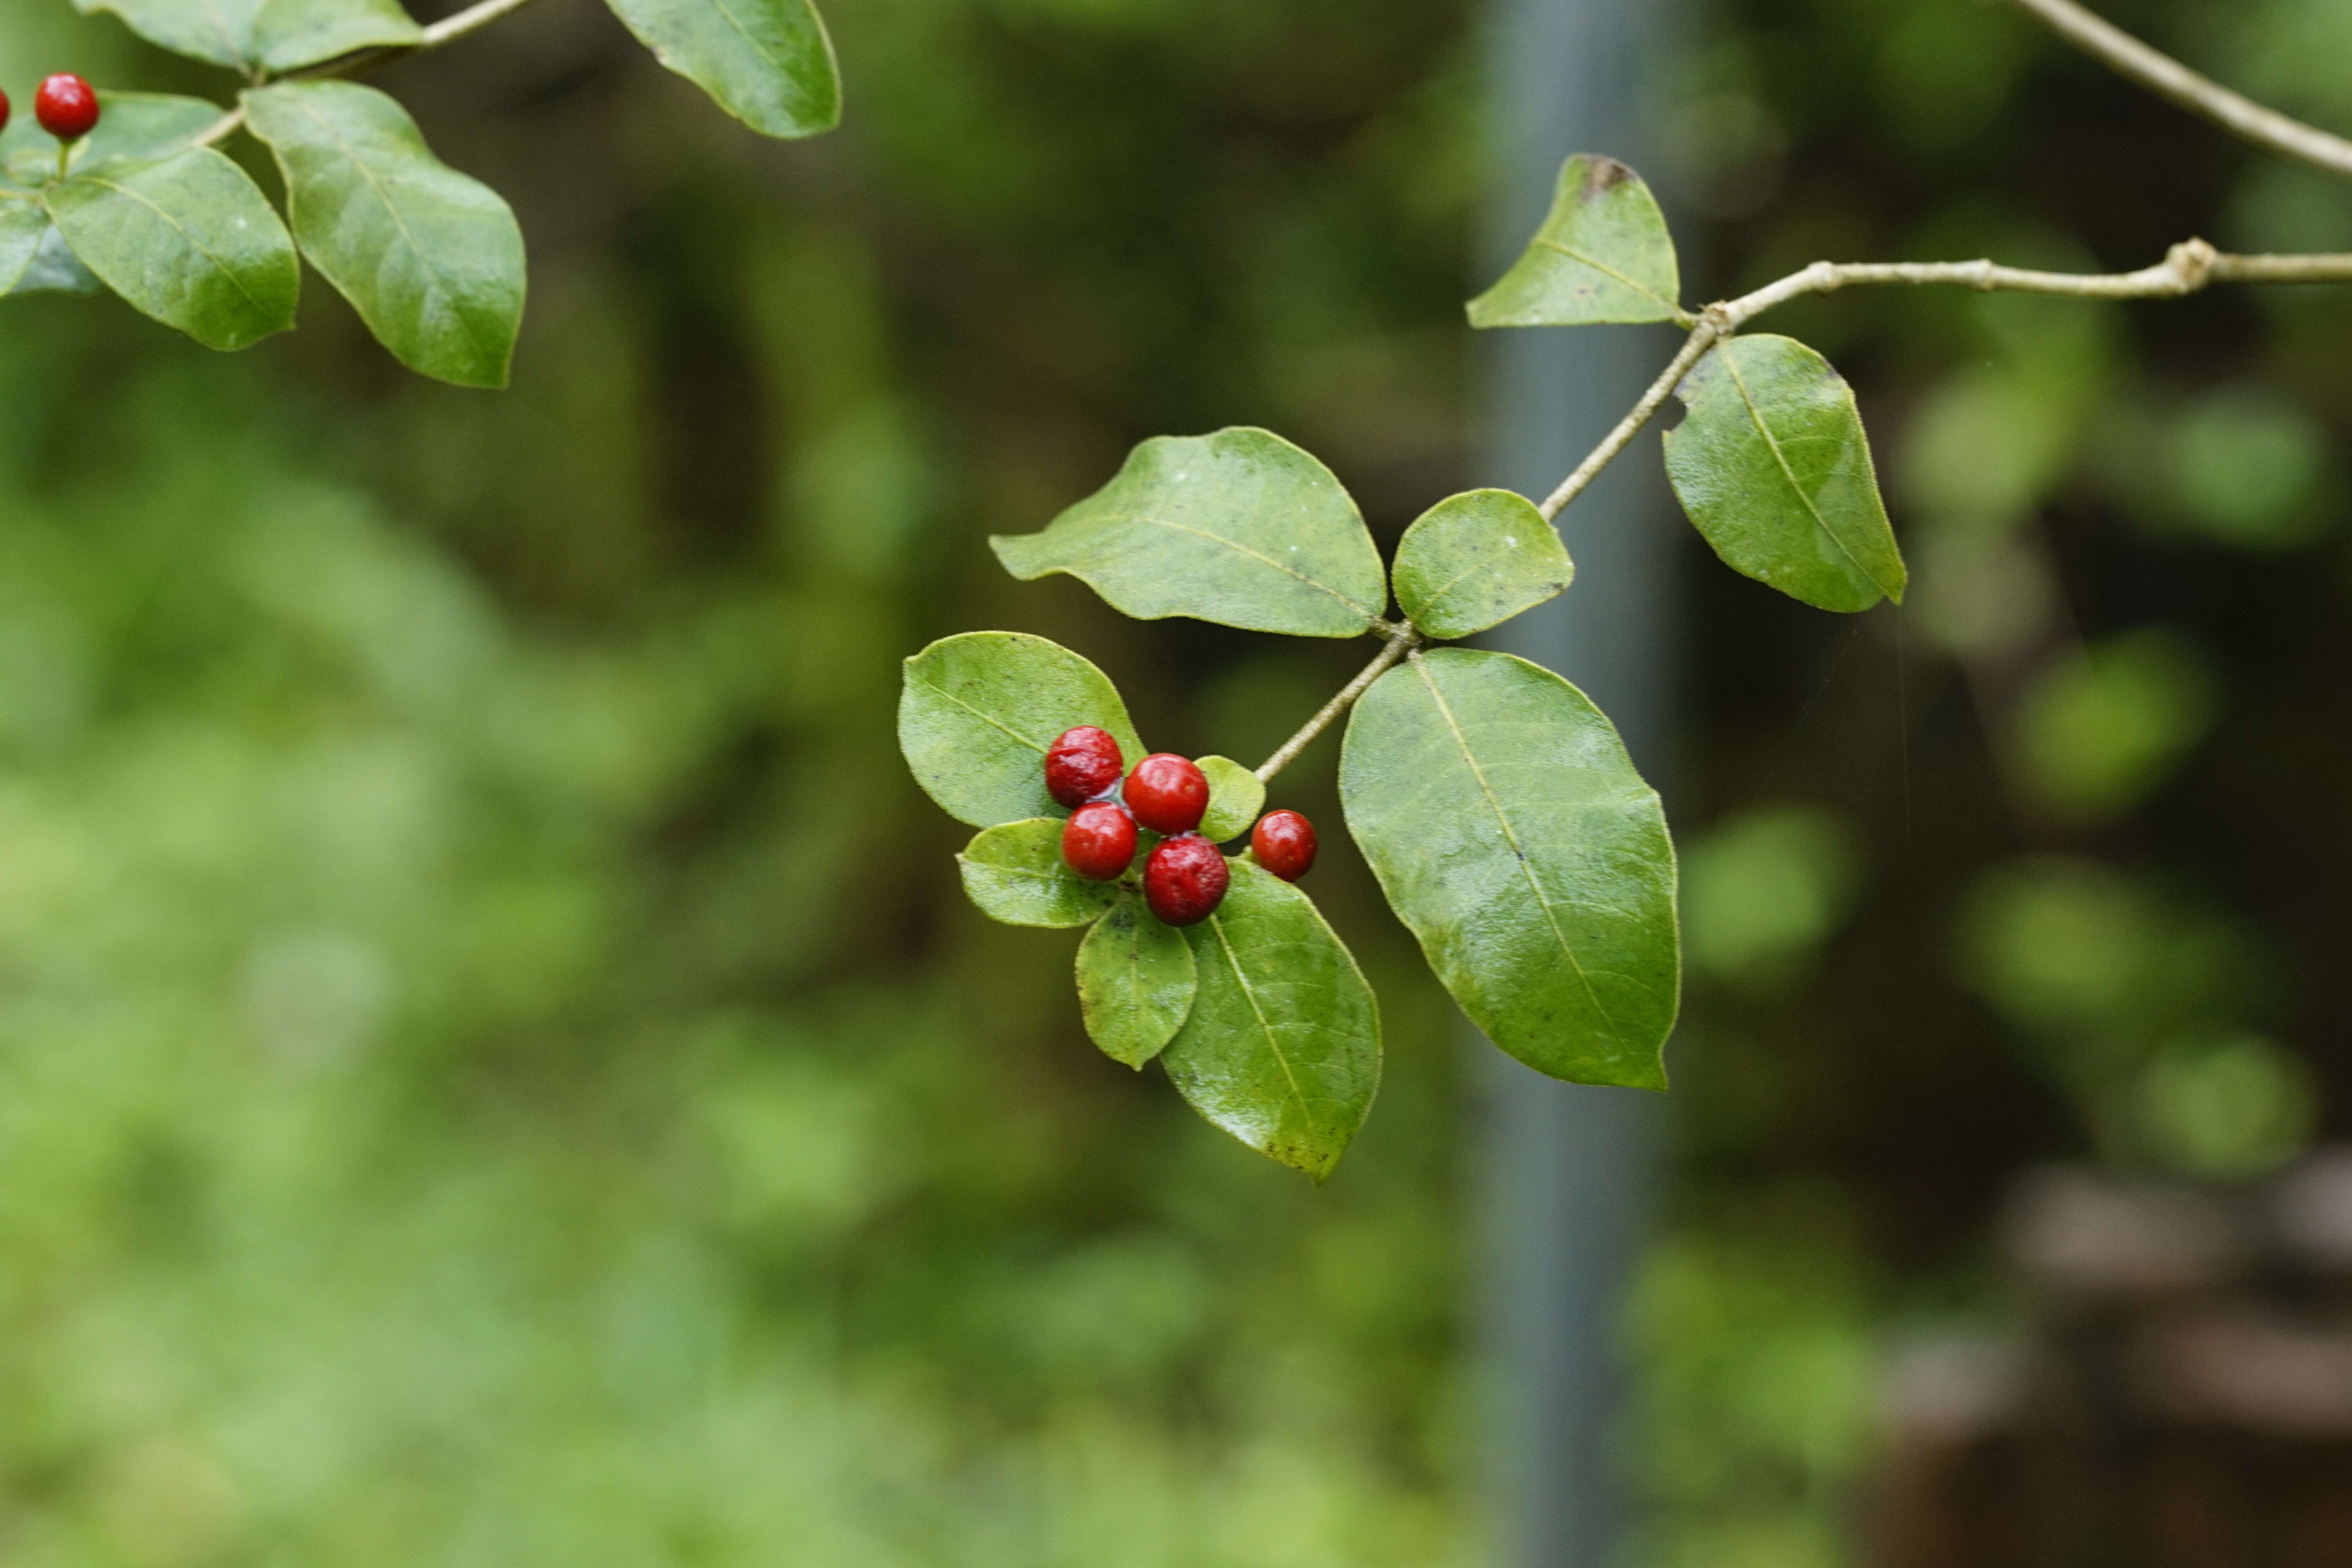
[
  {"x": 1240, "y": 527},
  {"x": 977, "y": 713},
  {"x": 1135, "y": 982},
  {"x": 1015, "y": 873},
  {"x": 1773, "y": 468},
  {"x": 34, "y": 257},
  {"x": 1475, "y": 561},
  {"x": 432, "y": 259},
  {"x": 1235, "y": 797},
  {"x": 274, "y": 35},
  {"x": 1283, "y": 1046},
  {"x": 1602, "y": 254},
  {"x": 188, "y": 239},
  {"x": 132, "y": 125},
  {"x": 1507, "y": 824},
  {"x": 767, "y": 62}
]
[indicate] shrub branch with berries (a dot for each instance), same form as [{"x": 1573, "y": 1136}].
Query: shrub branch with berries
[
  {"x": 1495, "y": 804},
  {"x": 127, "y": 191}
]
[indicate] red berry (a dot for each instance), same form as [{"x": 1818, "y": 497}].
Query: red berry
[
  {"x": 1082, "y": 764},
  {"x": 1099, "y": 842},
  {"x": 1185, "y": 880},
  {"x": 3, "y": 111},
  {"x": 66, "y": 106},
  {"x": 1284, "y": 843},
  {"x": 1167, "y": 793}
]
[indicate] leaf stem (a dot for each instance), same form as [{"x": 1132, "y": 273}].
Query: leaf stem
[
  {"x": 2202, "y": 96},
  {"x": 448, "y": 30},
  {"x": 1405, "y": 639}
]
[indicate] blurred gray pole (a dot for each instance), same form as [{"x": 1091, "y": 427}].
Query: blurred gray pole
[{"x": 1569, "y": 1170}]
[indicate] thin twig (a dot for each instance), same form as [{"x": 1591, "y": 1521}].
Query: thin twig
[
  {"x": 1404, "y": 640},
  {"x": 448, "y": 30},
  {"x": 2168, "y": 78},
  {"x": 2188, "y": 267}
]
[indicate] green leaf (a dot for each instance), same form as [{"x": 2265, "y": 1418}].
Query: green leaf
[
  {"x": 1773, "y": 467},
  {"x": 767, "y": 62},
  {"x": 1015, "y": 874},
  {"x": 432, "y": 259},
  {"x": 144, "y": 125},
  {"x": 1476, "y": 559},
  {"x": 188, "y": 239},
  {"x": 1135, "y": 982},
  {"x": 979, "y": 711},
  {"x": 32, "y": 255},
  {"x": 270, "y": 34},
  {"x": 1603, "y": 255},
  {"x": 1283, "y": 1046},
  {"x": 1235, "y": 797},
  {"x": 1510, "y": 832},
  {"x": 1240, "y": 527}
]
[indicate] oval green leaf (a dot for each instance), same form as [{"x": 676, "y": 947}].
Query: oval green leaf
[
  {"x": 1283, "y": 1046},
  {"x": 189, "y": 239},
  {"x": 1475, "y": 561},
  {"x": 1235, "y": 797},
  {"x": 1507, "y": 824},
  {"x": 1015, "y": 874},
  {"x": 1135, "y": 982},
  {"x": 767, "y": 62},
  {"x": 1240, "y": 527},
  {"x": 978, "y": 712},
  {"x": 432, "y": 259},
  {"x": 1774, "y": 468},
  {"x": 1602, "y": 254},
  {"x": 267, "y": 35}
]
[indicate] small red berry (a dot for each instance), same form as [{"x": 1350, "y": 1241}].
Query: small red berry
[
  {"x": 1082, "y": 764},
  {"x": 66, "y": 106},
  {"x": 1284, "y": 843},
  {"x": 1099, "y": 842},
  {"x": 1185, "y": 880},
  {"x": 3, "y": 111},
  {"x": 1167, "y": 793}
]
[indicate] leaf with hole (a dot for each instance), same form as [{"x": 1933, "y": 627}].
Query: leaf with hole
[
  {"x": 1135, "y": 982},
  {"x": 273, "y": 35},
  {"x": 189, "y": 239},
  {"x": 767, "y": 62},
  {"x": 1511, "y": 832},
  {"x": 1235, "y": 797},
  {"x": 1015, "y": 873},
  {"x": 978, "y": 712},
  {"x": 1283, "y": 1046},
  {"x": 1774, "y": 468},
  {"x": 432, "y": 259},
  {"x": 1602, "y": 254},
  {"x": 1240, "y": 527},
  {"x": 1475, "y": 561}
]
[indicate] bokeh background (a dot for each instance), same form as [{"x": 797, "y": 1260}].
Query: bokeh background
[{"x": 495, "y": 1065}]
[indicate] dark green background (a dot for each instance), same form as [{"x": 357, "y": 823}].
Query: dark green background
[{"x": 494, "y": 1065}]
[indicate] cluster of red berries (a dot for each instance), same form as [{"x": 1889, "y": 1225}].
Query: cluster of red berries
[
  {"x": 1185, "y": 877},
  {"x": 66, "y": 106}
]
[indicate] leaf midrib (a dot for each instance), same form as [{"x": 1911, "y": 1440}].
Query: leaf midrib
[
  {"x": 1239, "y": 549},
  {"x": 482, "y": 352},
  {"x": 1526, "y": 868},
  {"x": 1233, "y": 962},
  {"x": 1600, "y": 266},
  {"x": 1772, "y": 444},
  {"x": 185, "y": 233}
]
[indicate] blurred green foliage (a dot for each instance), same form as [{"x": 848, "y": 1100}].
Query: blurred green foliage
[{"x": 497, "y": 1065}]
